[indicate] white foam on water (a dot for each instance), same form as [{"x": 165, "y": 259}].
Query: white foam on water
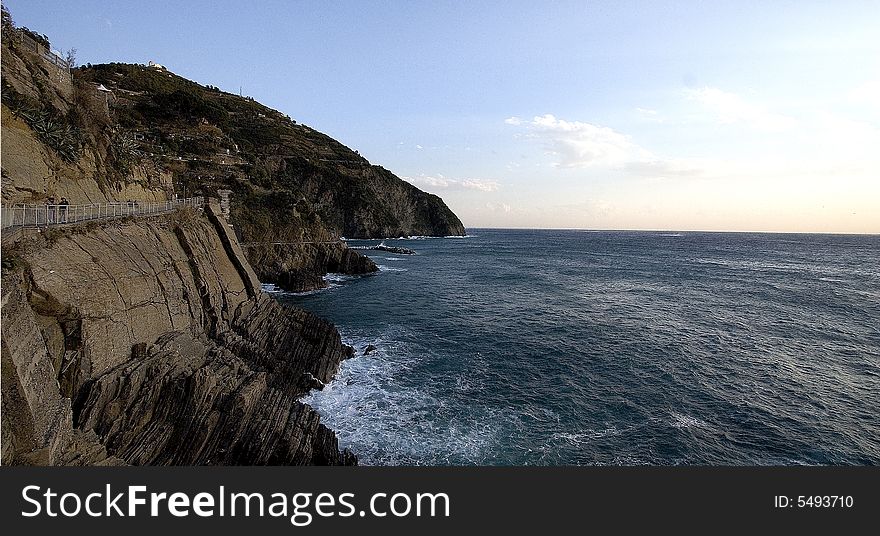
[
  {"x": 271, "y": 288},
  {"x": 339, "y": 278},
  {"x": 578, "y": 439},
  {"x": 386, "y": 422},
  {"x": 383, "y": 268},
  {"x": 310, "y": 292},
  {"x": 333, "y": 281},
  {"x": 680, "y": 420}
]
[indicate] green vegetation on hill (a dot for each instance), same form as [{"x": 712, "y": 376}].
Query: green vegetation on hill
[
  {"x": 59, "y": 131},
  {"x": 288, "y": 179}
]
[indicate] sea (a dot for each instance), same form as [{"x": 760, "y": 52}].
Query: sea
[{"x": 540, "y": 347}]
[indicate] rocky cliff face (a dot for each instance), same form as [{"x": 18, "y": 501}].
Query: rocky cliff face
[
  {"x": 149, "y": 342},
  {"x": 300, "y": 267},
  {"x": 60, "y": 138}
]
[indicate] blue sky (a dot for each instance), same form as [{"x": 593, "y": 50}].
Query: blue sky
[{"x": 609, "y": 115}]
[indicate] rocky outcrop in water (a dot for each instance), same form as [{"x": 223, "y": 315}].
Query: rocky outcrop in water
[
  {"x": 301, "y": 267},
  {"x": 149, "y": 342}
]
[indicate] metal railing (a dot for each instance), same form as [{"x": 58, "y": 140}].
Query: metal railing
[{"x": 21, "y": 215}]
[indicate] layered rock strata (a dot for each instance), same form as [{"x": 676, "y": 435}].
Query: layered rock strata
[{"x": 150, "y": 342}]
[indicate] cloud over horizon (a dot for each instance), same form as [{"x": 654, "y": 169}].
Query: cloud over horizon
[
  {"x": 578, "y": 144},
  {"x": 730, "y": 108},
  {"x": 441, "y": 182},
  {"x": 499, "y": 207}
]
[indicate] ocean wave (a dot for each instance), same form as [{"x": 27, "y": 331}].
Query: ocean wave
[
  {"x": 383, "y": 268},
  {"x": 713, "y": 262},
  {"x": 340, "y": 278},
  {"x": 579, "y": 438},
  {"x": 387, "y": 422},
  {"x": 333, "y": 280},
  {"x": 680, "y": 420},
  {"x": 271, "y": 288}
]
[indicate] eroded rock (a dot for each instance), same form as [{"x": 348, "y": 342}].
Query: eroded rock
[{"x": 153, "y": 329}]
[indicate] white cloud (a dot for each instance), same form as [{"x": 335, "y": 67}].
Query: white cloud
[
  {"x": 579, "y": 144},
  {"x": 843, "y": 141},
  {"x": 867, "y": 94},
  {"x": 419, "y": 147},
  {"x": 439, "y": 182},
  {"x": 576, "y": 144},
  {"x": 665, "y": 168},
  {"x": 515, "y": 121},
  {"x": 499, "y": 207},
  {"x": 730, "y": 108}
]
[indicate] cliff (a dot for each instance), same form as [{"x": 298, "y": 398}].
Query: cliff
[
  {"x": 148, "y": 341},
  {"x": 119, "y": 132}
]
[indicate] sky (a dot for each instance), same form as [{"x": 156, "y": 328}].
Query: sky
[{"x": 738, "y": 116}]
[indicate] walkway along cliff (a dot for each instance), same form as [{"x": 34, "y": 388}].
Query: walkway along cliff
[{"x": 148, "y": 341}]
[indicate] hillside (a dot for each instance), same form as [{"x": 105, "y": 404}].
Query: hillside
[
  {"x": 118, "y": 132},
  {"x": 274, "y": 166}
]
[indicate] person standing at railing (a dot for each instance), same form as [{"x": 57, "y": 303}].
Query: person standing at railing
[
  {"x": 50, "y": 210},
  {"x": 63, "y": 209}
]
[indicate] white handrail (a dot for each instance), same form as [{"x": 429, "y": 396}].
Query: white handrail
[{"x": 21, "y": 215}]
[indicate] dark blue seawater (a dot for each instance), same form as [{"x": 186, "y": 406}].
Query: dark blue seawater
[{"x": 568, "y": 347}]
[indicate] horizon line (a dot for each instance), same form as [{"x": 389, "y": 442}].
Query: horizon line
[{"x": 586, "y": 229}]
